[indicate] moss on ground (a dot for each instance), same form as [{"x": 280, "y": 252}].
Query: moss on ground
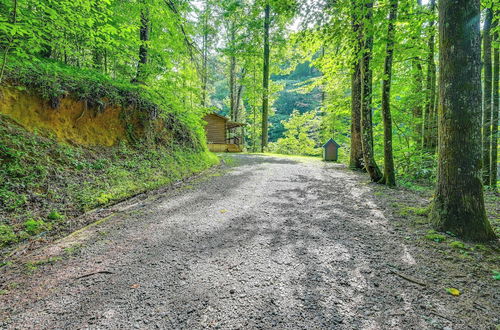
[{"x": 46, "y": 184}]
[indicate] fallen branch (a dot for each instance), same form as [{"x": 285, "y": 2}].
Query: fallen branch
[
  {"x": 408, "y": 278},
  {"x": 95, "y": 273}
]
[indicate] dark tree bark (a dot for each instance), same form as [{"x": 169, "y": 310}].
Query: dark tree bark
[
  {"x": 265, "y": 80},
  {"x": 389, "y": 173},
  {"x": 239, "y": 95},
  {"x": 429, "y": 133},
  {"x": 495, "y": 112},
  {"x": 232, "y": 87},
  {"x": 143, "y": 48},
  {"x": 204, "y": 75},
  {"x": 366, "y": 97},
  {"x": 418, "y": 76},
  {"x": 487, "y": 96},
  {"x": 458, "y": 205},
  {"x": 356, "y": 156}
]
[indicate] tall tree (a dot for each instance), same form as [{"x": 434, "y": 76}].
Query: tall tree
[
  {"x": 458, "y": 205},
  {"x": 418, "y": 77},
  {"x": 205, "y": 47},
  {"x": 265, "y": 79},
  {"x": 143, "y": 48},
  {"x": 356, "y": 156},
  {"x": 389, "y": 172},
  {"x": 487, "y": 95},
  {"x": 496, "y": 107},
  {"x": 429, "y": 134},
  {"x": 366, "y": 95}
]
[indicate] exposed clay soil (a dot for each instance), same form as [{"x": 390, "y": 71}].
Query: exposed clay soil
[{"x": 271, "y": 242}]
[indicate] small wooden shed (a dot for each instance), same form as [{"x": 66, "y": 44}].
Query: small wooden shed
[
  {"x": 223, "y": 134},
  {"x": 331, "y": 150}
]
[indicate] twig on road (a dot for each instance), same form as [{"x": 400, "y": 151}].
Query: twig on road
[
  {"x": 408, "y": 278},
  {"x": 94, "y": 273}
]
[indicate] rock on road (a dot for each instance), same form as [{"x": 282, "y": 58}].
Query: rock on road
[{"x": 271, "y": 242}]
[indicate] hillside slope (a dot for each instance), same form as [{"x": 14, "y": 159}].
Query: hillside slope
[{"x": 72, "y": 141}]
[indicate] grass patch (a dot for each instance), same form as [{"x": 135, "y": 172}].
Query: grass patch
[
  {"x": 34, "y": 265},
  {"x": 35, "y": 227},
  {"x": 55, "y": 215},
  {"x": 7, "y": 235},
  {"x": 458, "y": 245},
  {"x": 405, "y": 211},
  {"x": 433, "y": 236},
  {"x": 72, "y": 250}
]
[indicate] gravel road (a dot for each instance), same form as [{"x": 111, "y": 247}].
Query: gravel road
[{"x": 270, "y": 242}]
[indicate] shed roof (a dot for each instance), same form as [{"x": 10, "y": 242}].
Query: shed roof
[{"x": 330, "y": 142}]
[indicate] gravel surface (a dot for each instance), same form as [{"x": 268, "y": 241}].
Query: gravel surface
[{"x": 271, "y": 242}]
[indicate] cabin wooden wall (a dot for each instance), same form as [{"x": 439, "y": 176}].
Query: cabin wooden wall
[{"x": 215, "y": 129}]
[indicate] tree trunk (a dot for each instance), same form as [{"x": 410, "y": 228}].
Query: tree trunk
[
  {"x": 458, "y": 205},
  {"x": 239, "y": 95},
  {"x": 389, "y": 173},
  {"x": 143, "y": 49},
  {"x": 495, "y": 112},
  {"x": 366, "y": 97},
  {"x": 418, "y": 77},
  {"x": 254, "y": 110},
  {"x": 204, "y": 77},
  {"x": 232, "y": 86},
  {"x": 429, "y": 127},
  {"x": 265, "y": 82},
  {"x": 356, "y": 157},
  {"x": 487, "y": 96}
]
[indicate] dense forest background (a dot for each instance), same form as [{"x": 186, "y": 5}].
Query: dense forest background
[{"x": 208, "y": 56}]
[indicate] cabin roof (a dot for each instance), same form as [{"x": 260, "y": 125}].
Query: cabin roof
[
  {"x": 330, "y": 142},
  {"x": 229, "y": 123}
]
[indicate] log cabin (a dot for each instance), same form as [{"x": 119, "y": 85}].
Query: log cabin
[{"x": 223, "y": 135}]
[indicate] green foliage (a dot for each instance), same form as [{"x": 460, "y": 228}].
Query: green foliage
[
  {"x": 35, "y": 227},
  {"x": 7, "y": 235},
  {"x": 55, "y": 215},
  {"x": 458, "y": 245},
  {"x": 496, "y": 275},
  {"x": 301, "y": 136},
  {"x": 296, "y": 95},
  {"x": 405, "y": 211},
  {"x": 433, "y": 236}
]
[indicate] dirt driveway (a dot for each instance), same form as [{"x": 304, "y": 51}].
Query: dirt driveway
[{"x": 271, "y": 242}]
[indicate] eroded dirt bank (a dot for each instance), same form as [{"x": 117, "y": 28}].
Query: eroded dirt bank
[{"x": 283, "y": 242}]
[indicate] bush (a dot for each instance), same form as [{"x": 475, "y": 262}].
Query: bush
[
  {"x": 55, "y": 215},
  {"x": 35, "y": 227},
  {"x": 301, "y": 136},
  {"x": 7, "y": 235}
]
